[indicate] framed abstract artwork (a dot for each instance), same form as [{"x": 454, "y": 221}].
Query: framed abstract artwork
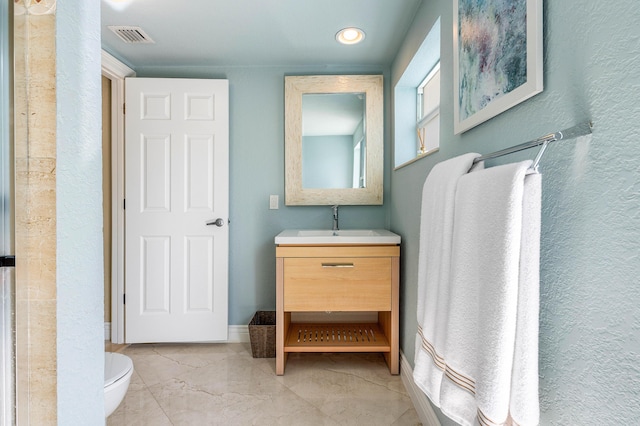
[{"x": 497, "y": 58}]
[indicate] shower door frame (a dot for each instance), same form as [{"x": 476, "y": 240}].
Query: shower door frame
[{"x": 7, "y": 221}]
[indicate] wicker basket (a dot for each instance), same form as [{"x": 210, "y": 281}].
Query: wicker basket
[{"x": 262, "y": 332}]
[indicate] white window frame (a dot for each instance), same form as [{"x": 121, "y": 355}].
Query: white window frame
[{"x": 425, "y": 118}]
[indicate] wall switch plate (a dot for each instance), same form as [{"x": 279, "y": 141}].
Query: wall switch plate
[{"x": 273, "y": 202}]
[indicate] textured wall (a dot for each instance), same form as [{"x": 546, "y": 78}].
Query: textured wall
[
  {"x": 79, "y": 197},
  {"x": 590, "y": 320}
]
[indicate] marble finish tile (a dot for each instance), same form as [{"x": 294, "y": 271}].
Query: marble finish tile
[
  {"x": 349, "y": 388},
  {"x": 139, "y": 408},
  {"x": 35, "y": 218},
  {"x": 221, "y": 384}
]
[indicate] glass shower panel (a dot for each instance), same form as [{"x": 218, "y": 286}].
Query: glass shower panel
[{"x": 7, "y": 278}]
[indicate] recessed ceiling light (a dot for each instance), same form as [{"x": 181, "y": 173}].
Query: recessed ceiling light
[{"x": 350, "y": 35}]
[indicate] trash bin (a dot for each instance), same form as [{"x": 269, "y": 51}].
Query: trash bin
[{"x": 262, "y": 333}]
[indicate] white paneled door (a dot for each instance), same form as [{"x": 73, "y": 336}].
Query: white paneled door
[{"x": 177, "y": 209}]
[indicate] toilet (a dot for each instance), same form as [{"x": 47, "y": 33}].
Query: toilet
[{"x": 118, "y": 369}]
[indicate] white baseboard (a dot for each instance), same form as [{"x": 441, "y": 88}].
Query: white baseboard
[
  {"x": 237, "y": 333},
  {"x": 420, "y": 400}
]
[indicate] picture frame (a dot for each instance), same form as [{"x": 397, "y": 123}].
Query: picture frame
[{"x": 497, "y": 58}]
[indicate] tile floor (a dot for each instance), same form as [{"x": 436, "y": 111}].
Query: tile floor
[{"x": 221, "y": 384}]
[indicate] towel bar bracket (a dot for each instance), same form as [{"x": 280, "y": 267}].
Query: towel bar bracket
[{"x": 536, "y": 161}]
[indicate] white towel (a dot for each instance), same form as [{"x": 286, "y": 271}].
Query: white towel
[
  {"x": 492, "y": 324},
  {"x": 436, "y": 232},
  {"x": 524, "y": 407}
]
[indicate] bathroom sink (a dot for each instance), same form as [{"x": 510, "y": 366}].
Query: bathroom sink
[
  {"x": 339, "y": 233},
  {"x": 342, "y": 236}
]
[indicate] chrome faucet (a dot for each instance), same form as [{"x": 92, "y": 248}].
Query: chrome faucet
[{"x": 335, "y": 218}]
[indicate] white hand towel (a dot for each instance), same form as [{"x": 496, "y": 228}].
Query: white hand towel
[
  {"x": 492, "y": 344},
  {"x": 524, "y": 407},
  {"x": 436, "y": 231}
]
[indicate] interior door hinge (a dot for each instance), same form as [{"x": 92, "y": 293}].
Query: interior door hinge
[
  {"x": 124, "y": 108},
  {"x": 124, "y": 204},
  {"x": 124, "y": 299}
]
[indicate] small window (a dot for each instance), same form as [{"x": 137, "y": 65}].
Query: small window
[
  {"x": 428, "y": 108},
  {"x": 416, "y": 103}
]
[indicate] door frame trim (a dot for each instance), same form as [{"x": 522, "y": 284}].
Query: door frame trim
[{"x": 116, "y": 71}]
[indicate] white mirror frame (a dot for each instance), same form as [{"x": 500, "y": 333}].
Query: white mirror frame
[{"x": 294, "y": 88}]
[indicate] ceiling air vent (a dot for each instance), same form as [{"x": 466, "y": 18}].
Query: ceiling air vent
[{"x": 130, "y": 34}]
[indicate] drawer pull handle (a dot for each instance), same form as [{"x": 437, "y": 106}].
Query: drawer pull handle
[{"x": 337, "y": 265}]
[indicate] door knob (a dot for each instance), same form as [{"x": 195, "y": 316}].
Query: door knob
[{"x": 218, "y": 222}]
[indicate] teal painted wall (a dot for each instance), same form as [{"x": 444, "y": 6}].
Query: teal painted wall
[
  {"x": 589, "y": 315},
  {"x": 256, "y": 98},
  {"x": 79, "y": 265}
]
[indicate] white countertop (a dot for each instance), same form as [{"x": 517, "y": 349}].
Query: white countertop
[{"x": 342, "y": 236}]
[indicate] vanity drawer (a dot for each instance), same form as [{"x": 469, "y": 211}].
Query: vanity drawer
[{"x": 337, "y": 284}]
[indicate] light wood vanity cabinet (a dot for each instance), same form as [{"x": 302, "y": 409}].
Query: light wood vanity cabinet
[{"x": 357, "y": 278}]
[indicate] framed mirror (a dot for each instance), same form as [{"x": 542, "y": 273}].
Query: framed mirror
[{"x": 334, "y": 140}]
